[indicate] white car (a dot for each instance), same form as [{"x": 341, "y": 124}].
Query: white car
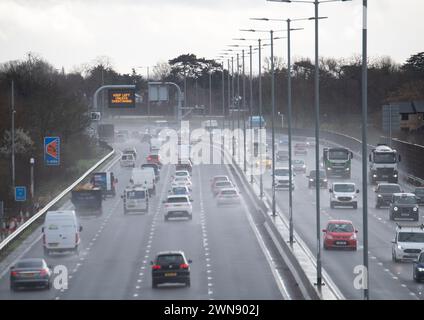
[
  {"x": 344, "y": 195},
  {"x": 178, "y": 206},
  {"x": 127, "y": 160},
  {"x": 136, "y": 199},
  {"x": 182, "y": 181},
  {"x": 282, "y": 178},
  {"x": 182, "y": 173},
  {"x": 228, "y": 196},
  {"x": 408, "y": 242},
  {"x": 219, "y": 185}
]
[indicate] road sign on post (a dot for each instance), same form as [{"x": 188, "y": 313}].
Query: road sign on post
[
  {"x": 121, "y": 98},
  {"x": 52, "y": 151},
  {"x": 20, "y": 193},
  {"x": 158, "y": 93}
]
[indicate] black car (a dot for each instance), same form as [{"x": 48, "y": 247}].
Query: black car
[
  {"x": 384, "y": 192},
  {"x": 323, "y": 182},
  {"x": 155, "y": 168},
  {"x": 170, "y": 267},
  {"x": 30, "y": 273},
  {"x": 419, "y": 193},
  {"x": 419, "y": 268},
  {"x": 404, "y": 207}
]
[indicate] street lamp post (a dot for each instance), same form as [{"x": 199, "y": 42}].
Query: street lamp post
[
  {"x": 365, "y": 143},
  {"x": 243, "y": 117},
  {"x": 272, "y": 121},
  {"x": 12, "y": 105},
  {"x": 289, "y": 115},
  {"x": 32, "y": 162},
  {"x": 250, "y": 111},
  {"x": 210, "y": 93},
  {"x": 317, "y": 127}
]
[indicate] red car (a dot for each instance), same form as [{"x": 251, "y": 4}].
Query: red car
[
  {"x": 340, "y": 234},
  {"x": 154, "y": 158}
]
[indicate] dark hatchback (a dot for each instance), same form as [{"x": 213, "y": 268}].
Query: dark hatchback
[
  {"x": 404, "y": 207},
  {"x": 30, "y": 273},
  {"x": 384, "y": 192},
  {"x": 419, "y": 268},
  {"x": 323, "y": 182},
  {"x": 155, "y": 168},
  {"x": 170, "y": 267},
  {"x": 419, "y": 193}
]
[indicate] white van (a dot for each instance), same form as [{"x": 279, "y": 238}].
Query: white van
[
  {"x": 61, "y": 232},
  {"x": 155, "y": 144},
  {"x": 145, "y": 177},
  {"x": 136, "y": 199},
  {"x": 127, "y": 160}
]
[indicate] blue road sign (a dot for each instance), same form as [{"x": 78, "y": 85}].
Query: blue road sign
[
  {"x": 52, "y": 151},
  {"x": 20, "y": 193}
]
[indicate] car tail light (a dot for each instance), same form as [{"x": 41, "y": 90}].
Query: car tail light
[
  {"x": 76, "y": 238},
  {"x": 43, "y": 272},
  {"x": 13, "y": 273},
  {"x": 156, "y": 267},
  {"x": 184, "y": 266}
]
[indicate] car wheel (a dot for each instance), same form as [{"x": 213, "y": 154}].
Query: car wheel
[
  {"x": 355, "y": 206},
  {"x": 332, "y": 205},
  {"x": 12, "y": 287},
  {"x": 154, "y": 285},
  {"x": 166, "y": 218},
  {"x": 394, "y": 259},
  {"x": 188, "y": 283},
  {"x": 191, "y": 217},
  {"x": 325, "y": 247},
  {"x": 377, "y": 206},
  {"x": 46, "y": 252},
  {"x": 49, "y": 285}
]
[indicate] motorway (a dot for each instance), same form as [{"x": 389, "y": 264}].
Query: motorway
[
  {"x": 388, "y": 280},
  {"x": 229, "y": 262}
]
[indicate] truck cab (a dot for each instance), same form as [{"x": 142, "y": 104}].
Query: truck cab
[
  {"x": 384, "y": 164},
  {"x": 337, "y": 162}
]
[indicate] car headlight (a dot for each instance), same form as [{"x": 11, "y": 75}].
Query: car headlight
[
  {"x": 329, "y": 237},
  {"x": 395, "y": 175},
  {"x": 395, "y": 208},
  {"x": 420, "y": 269},
  {"x": 415, "y": 209},
  {"x": 399, "y": 247},
  {"x": 304, "y": 166},
  {"x": 329, "y": 169},
  {"x": 352, "y": 237},
  {"x": 380, "y": 196},
  {"x": 347, "y": 169},
  {"x": 325, "y": 180},
  {"x": 311, "y": 180},
  {"x": 374, "y": 175}
]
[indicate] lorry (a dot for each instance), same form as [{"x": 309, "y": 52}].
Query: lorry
[
  {"x": 337, "y": 162},
  {"x": 106, "y": 132},
  {"x": 106, "y": 181},
  {"x": 383, "y": 164},
  {"x": 87, "y": 199}
]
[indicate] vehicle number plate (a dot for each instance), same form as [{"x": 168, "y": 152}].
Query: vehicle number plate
[
  {"x": 341, "y": 243},
  {"x": 27, "y": 275},
  {"x": 53, "y": 244},
  {"x": 170, "y": 274}
]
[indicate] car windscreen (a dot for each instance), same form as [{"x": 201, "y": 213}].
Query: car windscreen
[
  {"x": 179, "y": 190},
  {"x": 313, "y": 174},
  {"x": 153, "y": 166},
  {"x": 298, "y": 162},
  {"x": 221, "y": 179},
  {"x": 384, "y": 157},
  {"x": 177, "y": 200},
  {"x": 136, "y": 194},
  {"x": 419, "y": 192},
  {"x": 170, "y": 259},
  {"x": 181, "y": 174},
  {"x": 127, "y": 157},
  {"x": 338, "y": 155},
  {"x": 344, "y": 188},
  {"x": 389, "y": 189},
  {"x": 340, "y": 227},
  {"x": 223, "y": 184},
  {"x": 411, "y": 237},
  {"x": 282, "y": 172},
  {"x": 29, "y": 264},
  {"x": 229, "y": 192},
  {"x": 405, "y": 200}
]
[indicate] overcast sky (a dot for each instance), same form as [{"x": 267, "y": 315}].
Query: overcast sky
[{"x": 135, "y": 33}]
